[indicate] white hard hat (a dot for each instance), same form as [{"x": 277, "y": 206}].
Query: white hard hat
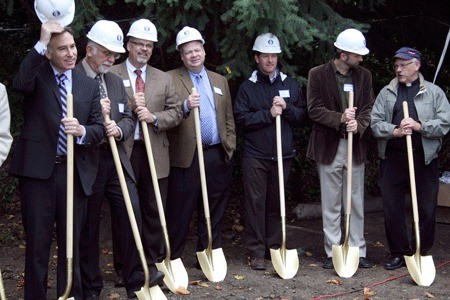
[
  {"x": 352, "y": 40},
  {"x": 143, "y": 29},
  {"x": 108, "y": 34},
  {"x": 267, "y": 43},
  {"x": 61, "y": 11},
  {"x": 188, "y": 34}
]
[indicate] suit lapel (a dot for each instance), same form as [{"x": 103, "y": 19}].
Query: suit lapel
[
  {"x": 186, "y": 80},
  {"x": 331, "y": 79},
  {"x": 123, "y": 74},
  {"x": 50, "y": 78}
]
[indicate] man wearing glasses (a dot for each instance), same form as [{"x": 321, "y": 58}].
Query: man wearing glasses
[
  {"x": 102, "y": 49},
  {"x": 428, "y": 122},
  {"x": 152, "y": 98}
]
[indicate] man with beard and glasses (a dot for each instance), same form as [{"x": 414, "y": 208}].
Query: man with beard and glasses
[
  {"x": 327, "y": 98},
  {"x": 46, "y": 77},
  {"x": 105, "y": 42},
  {"x": 152, "y": 97}
]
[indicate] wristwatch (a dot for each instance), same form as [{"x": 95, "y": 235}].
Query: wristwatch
[{"x": 155, "y": 119}]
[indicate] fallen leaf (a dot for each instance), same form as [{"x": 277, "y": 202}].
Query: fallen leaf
[
  {"x": 114, "y": 296},
  {"x": 283, "y": 297},
  {"x": 309, "y": 253},
  {"x": 105, "y": 251},
  {"x": 194, "y": 282},
  {"x": 218, "y": 287},
  {"x": 429, "y": 295},
  {"x": 108, "y": 272},
  {"x": 21, "y": 246},
  {"x": 334, "y": 281},
  {"x": 203, "y": 284},
  {"x": 313, "y": 265},
  {"x": 239, "y": 277},
  {"x": 368, "y": 293},
  {"x": 378, "y": 244},
  {"x": 182, "y": 291},
  {"x": 110, "y": 264},
  {"x": 10, "y": 217}
]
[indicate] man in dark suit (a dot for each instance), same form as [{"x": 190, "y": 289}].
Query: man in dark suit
[
  {"x": 40, "y": 155},
  {"x": 152, "y": 97},
  {"x": 184, "y": 180},
  {"x": 103, "y": 48}
]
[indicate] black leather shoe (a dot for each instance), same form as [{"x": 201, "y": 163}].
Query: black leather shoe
[
  {"x": 394, "y": 263},
  {"x": 156, "y": 278},
  {"x": 258, "y": 264},
  {"x": 328, "y": 263},
  {"x": 365, "y": 263}
]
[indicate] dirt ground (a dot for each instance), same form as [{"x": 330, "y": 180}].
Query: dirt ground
[{"x": 241, "y": 282}]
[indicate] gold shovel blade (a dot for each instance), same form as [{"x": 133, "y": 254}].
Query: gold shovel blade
[
  {"x": 421, "y": 269},
  {"x": 285, "y": 262},
  {"x": 175, "y": 274},
  {"x": 213, "y": 264},
  {"x": 345, "y": 260},
  {"x": 153, "y": 293}
]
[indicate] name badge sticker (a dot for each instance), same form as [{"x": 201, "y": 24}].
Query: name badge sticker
[
  {"x": 348, "y": 87},
  {"x": 284, "y": 94},
  {"x": 126, "y": 82},
  {"x": 218, "y": 91},
  {"x": 121, "y": 107}
]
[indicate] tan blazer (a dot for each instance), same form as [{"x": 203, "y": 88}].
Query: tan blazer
[
  {"x": 160, "y": 99},
  {"x": 182, "y": 138}
]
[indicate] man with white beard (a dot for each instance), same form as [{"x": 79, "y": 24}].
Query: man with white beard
[{"x": 103, "y": 48}]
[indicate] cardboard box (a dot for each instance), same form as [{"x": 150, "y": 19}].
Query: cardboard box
[{"x": 444, "y": 194}]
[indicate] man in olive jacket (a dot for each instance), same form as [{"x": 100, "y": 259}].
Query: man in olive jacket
[{"x": 328, "y": 85}]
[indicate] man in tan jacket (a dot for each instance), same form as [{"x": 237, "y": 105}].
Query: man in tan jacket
[
  {"x": 219, "y": 142},
  {"x": 152, "y": 97}
]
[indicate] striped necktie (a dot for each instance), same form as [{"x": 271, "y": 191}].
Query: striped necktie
[
  {"x": 62, "y": 137},
  {"x": 206, "y": 112},
  {"x": 102, "y": 89}
]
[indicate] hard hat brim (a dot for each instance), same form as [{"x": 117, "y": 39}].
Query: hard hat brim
[
  {"x": 363, "y": 51},
  {"x": 65, "y": 21}
]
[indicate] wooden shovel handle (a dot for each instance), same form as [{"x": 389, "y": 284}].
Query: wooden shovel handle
[
  {"x": 349, "y": 174},
  {"x": 412, "y": 181},
  {"x": 70, "y": 172},
  {"x": 201, "y": 163}
]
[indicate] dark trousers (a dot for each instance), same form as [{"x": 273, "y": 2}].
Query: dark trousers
[
  {"x": 185, "y": 196},
  {"x": 43, "y": 204},
  {"x": 152, "y": 236},
  {"x": 107, "y": 186},
  {"x": 262, "y": 204},
  {"x": 394, "y": 182}
]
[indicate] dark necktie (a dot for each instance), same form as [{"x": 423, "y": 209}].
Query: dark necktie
[
  {"x": 62, "y": 137},
  {"x": 206, "y": 112},
  {"x": 140, "y": 84},
  {"x": 102, "y": 89}
]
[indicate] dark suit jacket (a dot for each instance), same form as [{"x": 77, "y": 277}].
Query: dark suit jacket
[
  {"x": 35, "y": 150},
  {"x": 124, "y": 119},
  {"x": 324, "y": 108},
  {"x": 182, "y": 138},
  {"x": 160, "y": 99}
]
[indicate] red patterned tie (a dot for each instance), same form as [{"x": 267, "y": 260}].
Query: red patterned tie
[{"x": 140, "y": 84}]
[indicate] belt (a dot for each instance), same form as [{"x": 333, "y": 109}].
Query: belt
[
  {"x": 139, "y": 144},
  {"x": 60, "y": 159},
  {"x": 207, "y": 147}
]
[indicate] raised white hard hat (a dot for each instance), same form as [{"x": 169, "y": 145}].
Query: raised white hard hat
[
  {"x": 61, "y": 11},
  {"x": 188, "y": 34},
  {"x": 352, "y": 40},
  {"x": 108, "y": 34},
  {"x": 267, "y": 43},
  {"x": 143, "y": 29}
]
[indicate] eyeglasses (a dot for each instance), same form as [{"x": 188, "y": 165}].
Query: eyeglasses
[
  {"x": 402, "y": 66},
  {"x": 142, "y": 45},
  {"x": 109, "y": 54}
]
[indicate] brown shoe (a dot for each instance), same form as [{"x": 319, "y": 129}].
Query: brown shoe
[{"x": 258, "y": 264}]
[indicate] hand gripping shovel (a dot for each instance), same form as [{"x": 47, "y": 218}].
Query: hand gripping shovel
[
  {"x": 69, "y": 208},
  {"x": 175, "y": 273},
  {"x": 345, "y": 257},
  {"x": 285, "y": 262},
  {"x": 212, "y": 261},
  {"x": 421, "y": 268},
  {"x": 146, "y": 292}
]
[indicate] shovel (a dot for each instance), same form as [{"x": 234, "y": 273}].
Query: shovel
[
  {"x": 175, "y": 273},
  {"x": 2, "y": 288},
  {"x": 212, "y": 261},
  {"x": 345, "y": 257},
  {"x": 421, "y": 268},
  {"x": 285, "y": 262},
  {"x": 69, "y": 208},
  {"x": 146, "y": 292}
]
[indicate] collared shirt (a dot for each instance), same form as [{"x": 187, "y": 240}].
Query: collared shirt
[{"x": 342, "y": 80}]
